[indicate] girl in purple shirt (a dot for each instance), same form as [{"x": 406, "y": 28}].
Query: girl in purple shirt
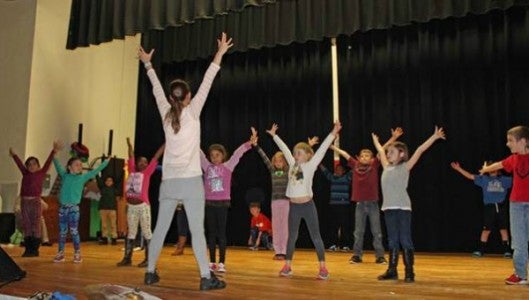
[{"x": 217, "y": 186}]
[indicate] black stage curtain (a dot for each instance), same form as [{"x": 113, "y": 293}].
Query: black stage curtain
[
  {"x": 469, "y": 75},
  {"x": 94, "y": 22},
  {"x": 289, "y": 85},
  {"x": 252, "y": 23}
]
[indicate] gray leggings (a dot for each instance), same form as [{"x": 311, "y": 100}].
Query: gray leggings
[
  {"x": 191, "y": 192},
  {"x": 308, "y": 212}
]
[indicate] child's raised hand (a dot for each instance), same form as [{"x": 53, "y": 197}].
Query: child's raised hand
[
  {"x": 439, "y": 133},
  {"x": 253, "y": 137},
  {"x": 375, "y": 139},
  {"x": 397, "y": 132},
  {"x": 337, "y": 128},
  {"x": 313, "y": 140},
  {"x": 455, "y": 165},
  {"x": 11, "y": 152},
  {"x": 272, "y": 131},
  {"x": 144, "y": 56},
  {"x": 58, "y": 145},
  {"x": 128, "y": 142},
  {"x": 224, "y": 44}
]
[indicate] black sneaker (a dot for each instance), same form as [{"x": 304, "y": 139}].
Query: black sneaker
[
  {"x": 212, "y": 283},
  {"x": 103, "y": 241},
  {"x": 151, "y": 278},
  {"x": 113, "y": 242},
  {"x": 381, "y": 260},
  {"x": 355, "y": 259}
]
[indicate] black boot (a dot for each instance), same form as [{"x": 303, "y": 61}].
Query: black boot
[
  {"x": 212, "y": 283},
  {"x": 127, "y": 259},
  {"x": 28, "y": 244},
  {"x": 36, "y": 245},
  {"x": 151, "y": 278},
  {"x": 144, "y": 263},
  {"x": 408, "y": 263},
  {"x": 391, "y": 272}
]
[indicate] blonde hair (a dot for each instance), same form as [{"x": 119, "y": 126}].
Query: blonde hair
[
  {"x": 280, "y": 155},
  {"x": 305, "y": 147}
]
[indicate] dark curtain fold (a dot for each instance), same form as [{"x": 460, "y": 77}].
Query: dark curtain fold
[
  {"x": 99, "y": 21},
  {"x": 299, "y": 21},
  {"x": 288, "y": 85},
  {"x": 253, "y": 24},
  {"x": 469, "y": 75}
]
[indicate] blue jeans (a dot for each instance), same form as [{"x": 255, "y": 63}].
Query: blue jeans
[
  {"x": 398, "y": 225},
  {"x": 520, "y": 236},
  {"x": 363, "y": 210}
]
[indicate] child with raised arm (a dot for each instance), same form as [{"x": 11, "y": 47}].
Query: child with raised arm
[
  {"x": 30, "y": 191},
  {"x": 396, "y": 202},
  {"x": 302, "y": 166},
  {"x": 495, "y": 188},
  {"x": 278, "y": 168},
  {"x": 518, "y": 165},
  {"x": 339, "y": 235},
  {"x": 365, "y": 196},
  {"x": 73, "y": 181},
  {"x": 138, "y": 204},
  {"x": 217, "y": 182},
  {"x": 181, "y": 172}
]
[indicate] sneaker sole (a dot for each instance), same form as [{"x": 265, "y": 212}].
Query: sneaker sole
[
  {"x": 322, "y": 277},
  {"x": 516, "y": 283}
]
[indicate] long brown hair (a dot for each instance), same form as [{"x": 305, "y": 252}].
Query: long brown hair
[{"x": 178, "y": 92}]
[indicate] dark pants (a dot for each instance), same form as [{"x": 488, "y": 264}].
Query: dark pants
[
  {"x": 216, "y": 220},
  {"x": 181, "y": 222},
  {"x": 339, "y": 220},
  {"x": 308, "y": 212},
  {"x": 398, "y": 226},
  {"x": 266, "y": 239}
]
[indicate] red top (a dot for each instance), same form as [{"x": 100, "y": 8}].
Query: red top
[
  {"x": 32, "y": 182},
  {"x": 364, "y": 185},
  {"x": 518, "y": 165},
  {"x": 261, "y": 222}
]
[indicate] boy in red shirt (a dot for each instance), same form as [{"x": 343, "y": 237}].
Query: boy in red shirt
[{"x": 260, "y": 229}]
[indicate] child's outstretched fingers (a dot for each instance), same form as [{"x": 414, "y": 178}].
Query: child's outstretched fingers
[
  {"x": 439, "y": 132},
  {"x": 272, "y": 131}
]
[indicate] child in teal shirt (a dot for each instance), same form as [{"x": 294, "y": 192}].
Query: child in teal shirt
[{"x": 73, "y": 181}]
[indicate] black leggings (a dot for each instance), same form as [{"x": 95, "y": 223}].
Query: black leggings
[{"x": 216, "y": 220}]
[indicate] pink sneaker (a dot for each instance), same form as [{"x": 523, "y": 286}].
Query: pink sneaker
[
  {"x": 212, "y": 267},
  {"x": 323, "y": 274},
  {"x": 514, "y": 279},
  {"x": 286, "y": 271},
  {"x": 77, "y": 258},
  {"x": 59, "y": 257}
]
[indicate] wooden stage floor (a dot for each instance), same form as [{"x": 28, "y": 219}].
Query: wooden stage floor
[{"x": 254, "y": 275}]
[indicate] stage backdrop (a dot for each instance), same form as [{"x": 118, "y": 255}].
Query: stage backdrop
[{"x": 466, "y": 74}]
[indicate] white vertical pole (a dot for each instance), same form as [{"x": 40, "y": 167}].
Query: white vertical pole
[{"x": 335, "y": 96}]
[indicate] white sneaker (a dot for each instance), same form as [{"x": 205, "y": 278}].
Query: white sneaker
[{"x": 221, "y": 268}]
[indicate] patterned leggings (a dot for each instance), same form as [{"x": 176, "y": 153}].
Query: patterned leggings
[
  {"x": 139, "y": 214},
  {"x": 69, "y": 219}
]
